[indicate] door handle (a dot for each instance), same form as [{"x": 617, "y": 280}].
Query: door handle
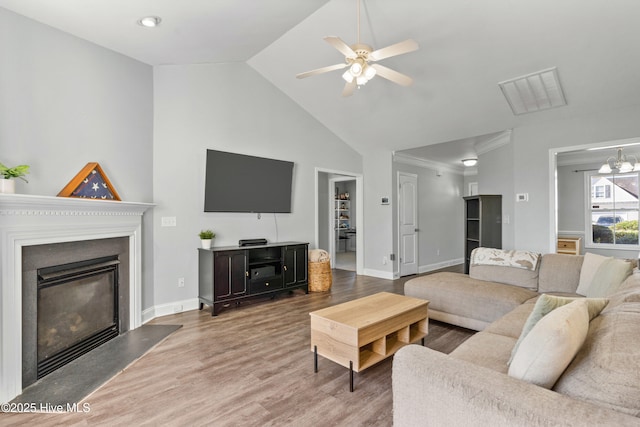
[{"x": 416, "y": 230}]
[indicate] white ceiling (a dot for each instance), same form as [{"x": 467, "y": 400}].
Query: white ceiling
[{"x": 466, "y": 48}]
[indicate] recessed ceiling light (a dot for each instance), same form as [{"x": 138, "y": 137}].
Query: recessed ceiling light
[{"x": 150, "y": 21}]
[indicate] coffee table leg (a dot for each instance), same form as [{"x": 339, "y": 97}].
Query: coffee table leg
[
  {"x": 351, "y": 376},
  {"x": 315, "y": 359}
]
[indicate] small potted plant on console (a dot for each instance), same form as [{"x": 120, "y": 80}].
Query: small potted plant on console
[
  {"x": 205, "y": 238},
  {"x": 7, "y": 184}
]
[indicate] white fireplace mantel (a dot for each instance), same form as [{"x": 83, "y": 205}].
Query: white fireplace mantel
[{"x": 27, "y": 220}]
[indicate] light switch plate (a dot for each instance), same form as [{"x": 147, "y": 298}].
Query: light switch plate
[{"x": 168, "y": 221}]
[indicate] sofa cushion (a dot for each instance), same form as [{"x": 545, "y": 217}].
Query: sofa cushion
[
  {"x": 511, "y": 324},
  {"x": 508, "y": 275},
  {"x": 608, "y": 278},
  {"x": 605, "y": 371},
  {"x": 590, "y": 265},
  {"x": 466, "y": 297},
  {"x": 559, "y": 273},
  {"x": 553, "y": 342},
  {"x": 546, "y": 304},
  {"x": 505, "y": 258},
  {"x": 517, "y": 268},
  {"x": 486, "y": 349}
]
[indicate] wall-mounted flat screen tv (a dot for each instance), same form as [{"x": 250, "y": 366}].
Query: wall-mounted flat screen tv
[{"x": 241, "y": 183}]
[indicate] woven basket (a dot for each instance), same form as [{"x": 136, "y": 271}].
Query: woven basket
[{"x": 320, "y": 276}]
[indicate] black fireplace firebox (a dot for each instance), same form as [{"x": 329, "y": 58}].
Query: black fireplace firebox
[{"x": 77, "y": 310}]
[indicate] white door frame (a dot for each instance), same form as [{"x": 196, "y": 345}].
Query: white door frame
[
  {"x": 345, "y": 176},
  {"x": 399, "y": 232}
]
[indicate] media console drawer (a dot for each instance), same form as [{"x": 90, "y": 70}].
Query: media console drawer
[{"x": 259, "y": 286}]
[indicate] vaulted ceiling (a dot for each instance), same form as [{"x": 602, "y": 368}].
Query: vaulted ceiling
[{"x": 466, "y": 48}]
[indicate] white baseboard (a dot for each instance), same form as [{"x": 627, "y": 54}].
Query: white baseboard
[
  {"x": 439, "y": 265},
  {"x": 379, "y": 274},
  {"x": 170, "y": 308}
]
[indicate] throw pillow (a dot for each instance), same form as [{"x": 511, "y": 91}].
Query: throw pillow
[
  {"x": 590, "y": 265},
  {"x": 546, "y": 304},
  {"x": 551, "y": 345},
  {"x": 608, "y": 278}
]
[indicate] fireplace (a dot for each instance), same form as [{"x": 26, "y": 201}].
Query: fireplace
[
  {"x": 75, "y": 297},
  {"x": 77, "y": 310},
  {"x": 44, "y": 224}
]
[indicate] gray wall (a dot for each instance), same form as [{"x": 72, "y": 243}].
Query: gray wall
[
  {"x": 531, "y": 164},
  {"x": 65, "y": 102},
  {"x": 495, "y": 176},
  {"x": 228, "y": 107}
]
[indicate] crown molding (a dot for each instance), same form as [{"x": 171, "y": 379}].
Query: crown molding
[
  {"x": 427, "y": 164},
  {"x": 494, "y": 143}
]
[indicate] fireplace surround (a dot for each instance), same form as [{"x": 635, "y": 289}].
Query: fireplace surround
[{"x": 28, "y": 221}]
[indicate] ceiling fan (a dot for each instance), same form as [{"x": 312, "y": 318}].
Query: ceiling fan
[{"x": 359, "y": 59}]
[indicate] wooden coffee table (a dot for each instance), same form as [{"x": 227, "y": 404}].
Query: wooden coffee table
[{"x": 360, "y": 333}]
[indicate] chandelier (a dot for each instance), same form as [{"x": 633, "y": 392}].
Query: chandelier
[{"x": 620, "y": 164}]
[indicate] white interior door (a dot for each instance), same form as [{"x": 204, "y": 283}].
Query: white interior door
[{"x": 408, "y": 223}]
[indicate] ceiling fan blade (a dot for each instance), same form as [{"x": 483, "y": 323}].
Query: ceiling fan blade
[
  {"x": 395, "y": 49},
  {"x": 392, "y": 75},
  {"x": 321, "y": 70},
  {"x": 349, "y": 88},
  {"x": 341, "y": 46}
]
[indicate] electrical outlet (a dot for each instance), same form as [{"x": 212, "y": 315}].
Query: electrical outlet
[
  {"x": 181, "y": 282},
  {"x": 438, "y": 252},
  {"x": 384, "y": 260}
]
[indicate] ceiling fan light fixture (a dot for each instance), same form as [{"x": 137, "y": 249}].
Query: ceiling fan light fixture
[
  {"x": 361, "y": 80},
  {"x": 347, "y": 76},
  {"x": 356, "y": 68},
  {"x": 369, "y": 72}
]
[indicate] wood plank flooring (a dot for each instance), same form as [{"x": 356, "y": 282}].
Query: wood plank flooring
[{"x": 250, "y": 366}]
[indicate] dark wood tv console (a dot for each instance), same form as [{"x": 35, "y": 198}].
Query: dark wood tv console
[{"x": 228, "y": 275}]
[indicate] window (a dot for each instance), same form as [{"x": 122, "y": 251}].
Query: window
[
  {"x": 602, "y": 192},
  {"x": 612, "y": 211}
]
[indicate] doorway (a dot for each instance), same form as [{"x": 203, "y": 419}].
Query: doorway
[
  {"x": 339, "y": 218},
  {"x": 344, "y": 223}
]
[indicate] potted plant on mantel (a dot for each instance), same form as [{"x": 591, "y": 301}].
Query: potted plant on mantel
[
  {"x": 205, "y": 238},
  {"x": 7, "y": 175}
]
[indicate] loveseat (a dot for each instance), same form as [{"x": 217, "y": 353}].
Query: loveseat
[{"x": 474, "y": 384}]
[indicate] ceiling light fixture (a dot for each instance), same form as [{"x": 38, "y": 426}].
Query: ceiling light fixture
[
  {"x": 149, "y": 21},
  {"x": 469, "y": 162},
  {"x": 620, "y": 164}
]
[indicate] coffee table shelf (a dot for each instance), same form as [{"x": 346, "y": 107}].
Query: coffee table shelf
[
  {"x": 383, "y": 347},
  {"x": 360, "y": 333}
]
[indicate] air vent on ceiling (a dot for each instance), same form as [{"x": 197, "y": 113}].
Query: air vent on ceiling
[{"x": 534, "y": 92}]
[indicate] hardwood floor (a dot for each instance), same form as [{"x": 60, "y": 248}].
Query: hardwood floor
[{"x": 250, "y": 366}]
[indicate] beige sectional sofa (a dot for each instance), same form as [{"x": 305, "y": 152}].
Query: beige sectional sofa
[{"x": 472, "y": 386}]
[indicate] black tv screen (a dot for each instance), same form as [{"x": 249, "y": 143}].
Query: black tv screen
[{"x": 241, "y": 183}]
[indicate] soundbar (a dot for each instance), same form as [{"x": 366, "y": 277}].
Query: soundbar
[{"x": 252, "y": 242}]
